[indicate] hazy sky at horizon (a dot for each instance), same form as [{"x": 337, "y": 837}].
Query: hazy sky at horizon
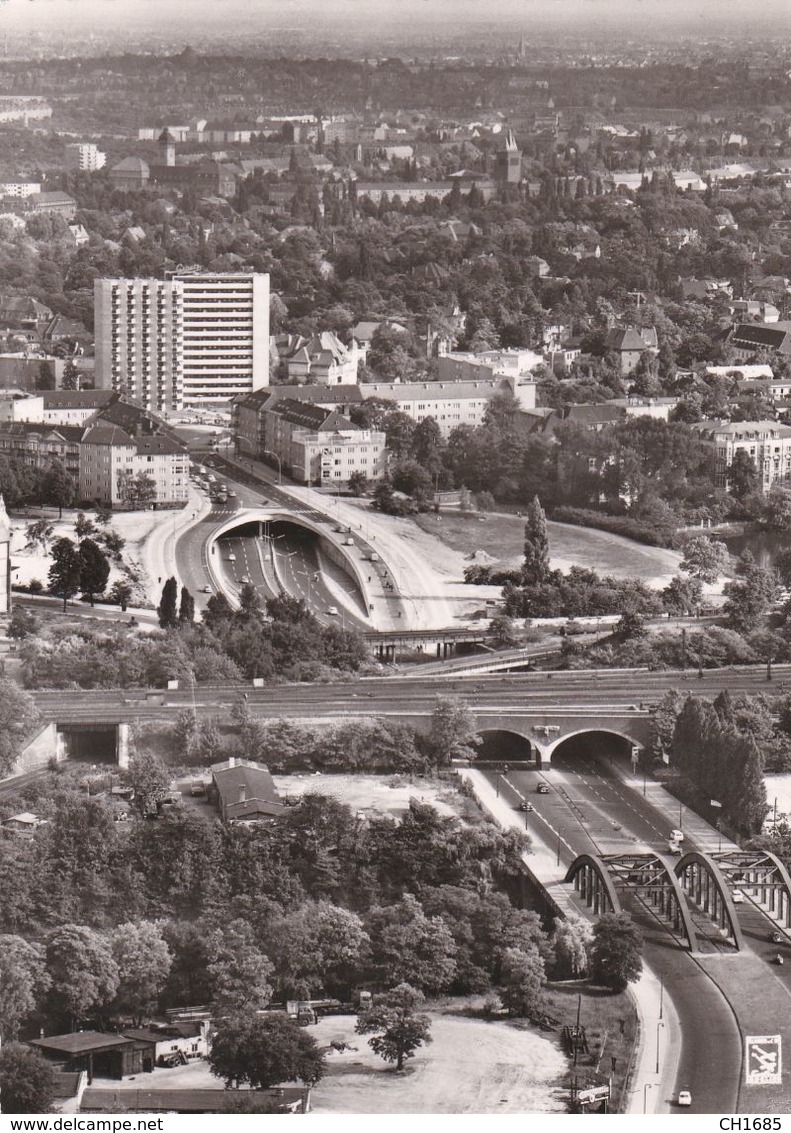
[{"x": 103, "y": 14}]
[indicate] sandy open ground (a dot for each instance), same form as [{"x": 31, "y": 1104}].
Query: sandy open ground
[
  {"x": 371, "y": 794},
  {"x": 471, "y": 1066},
  {"x": 32, "y": 562}
]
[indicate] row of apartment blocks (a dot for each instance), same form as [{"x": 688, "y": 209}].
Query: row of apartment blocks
[
  {"x": 104, "y": 442},
  {"x": 309, "y": 431}
]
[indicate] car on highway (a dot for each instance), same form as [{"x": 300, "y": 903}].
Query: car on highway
[
  {"x": 206, "y": 590},
  {"x": 332, "y": 611},
  {"x": 776, "y": 937},
  {"x": 673, "y": 847},
  {"x": 684, "y": 1097},
  {"x": 526, "y": 806},
  {"x": 737, "y": 897},
  {"x": 677, "y": 835},
  {"x": 542, "y": 789},
  {"x": 232, "y": 557}
]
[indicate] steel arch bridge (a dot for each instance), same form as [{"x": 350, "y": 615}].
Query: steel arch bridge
[
  {"x": 762, "y": 876},
  {"x": 649, "y": 876},
  {"x": 706, "y": 886}
]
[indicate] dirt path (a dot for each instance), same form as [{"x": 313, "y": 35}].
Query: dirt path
[{"x": 470, "y": 1067}]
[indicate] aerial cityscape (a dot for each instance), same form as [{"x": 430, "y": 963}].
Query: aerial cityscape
[{"x": 395, "y": 558}]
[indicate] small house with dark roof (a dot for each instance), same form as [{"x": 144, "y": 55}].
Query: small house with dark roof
[
  {"x": 100, "y": 1055},
  {"x": 244, "y": 791}
]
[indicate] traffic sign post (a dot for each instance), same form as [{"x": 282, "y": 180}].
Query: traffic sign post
[
  {"x": 593, "y": 1094},
  {"x": 763, "y": 1060}
]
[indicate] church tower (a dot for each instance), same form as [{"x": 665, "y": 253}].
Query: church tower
[
  {"x": 508, "y": 160},
  {"x": 167, "y": 148}
]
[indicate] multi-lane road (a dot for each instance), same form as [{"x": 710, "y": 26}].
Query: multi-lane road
[
  {"x": 284, "y": 557},
  {"x": 591, "y": 809}
]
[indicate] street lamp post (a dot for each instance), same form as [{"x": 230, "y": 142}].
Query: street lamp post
[
  {"x": 648, "y": 1086},
  {"x": 268, "y": 452},
  {"x": 661, "y": 994},
  {"x": 662, "y": 1025}
]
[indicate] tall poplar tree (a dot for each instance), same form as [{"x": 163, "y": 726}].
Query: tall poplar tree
[
  {"x": 535, "y": 569},
  {"x": 167, "y": 611}
]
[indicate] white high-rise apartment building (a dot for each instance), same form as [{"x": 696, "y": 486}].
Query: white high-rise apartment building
[
  {"x": 197, "y": 338},
  {"x": 85, "y": 156}
]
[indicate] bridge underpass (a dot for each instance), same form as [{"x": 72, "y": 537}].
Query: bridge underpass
[
  {"x": 584, "y": 747},
  {"x": 500, "y": 745},
  {"x": 94, "y": 743}
]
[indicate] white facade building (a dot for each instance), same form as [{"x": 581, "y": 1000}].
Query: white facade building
[
  {"x": 194, "y": 339},
  {"x": 19, "y": 188},
  {"x": 85, "y": 156},
  {"x": 766, "y": 443}
]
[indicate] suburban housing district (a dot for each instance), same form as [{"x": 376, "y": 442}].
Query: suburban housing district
[{"x": 395, "y": 569}]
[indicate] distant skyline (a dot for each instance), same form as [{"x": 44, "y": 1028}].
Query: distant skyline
[{"x": 104, "y": 14}]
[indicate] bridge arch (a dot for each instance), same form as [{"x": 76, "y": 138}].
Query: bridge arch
[
  {"x": 505, "y": 745},
  {"x": 592, "y": 881},
  {"x": 652, "y": 878},
  {"x": 705, "y": 884},
  {"x": 550, "y": 746},
  {"x": 764, "y": 875}
]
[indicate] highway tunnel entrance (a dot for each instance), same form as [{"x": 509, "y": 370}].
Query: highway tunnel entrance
[
  {"x": 501, "y": 746},
  {"x": 307, "y": 563},
  {"x": 584, "y": 748}
]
